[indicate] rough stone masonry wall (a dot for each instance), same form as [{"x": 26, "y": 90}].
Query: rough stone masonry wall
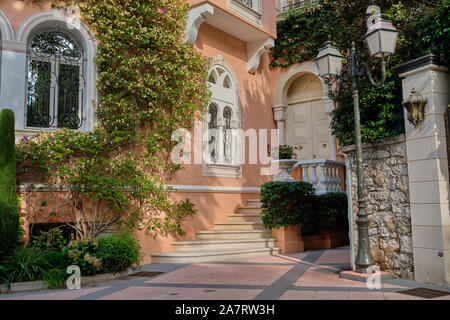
[{"x": 388, "y": 205}]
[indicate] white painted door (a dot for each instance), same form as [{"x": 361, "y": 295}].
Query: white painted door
[{"x": 307, "y": 128}]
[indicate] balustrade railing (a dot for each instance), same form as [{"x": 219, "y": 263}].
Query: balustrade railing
[
  {"x": 323, "y": 174},
  {"x": 295, "y": 4}
]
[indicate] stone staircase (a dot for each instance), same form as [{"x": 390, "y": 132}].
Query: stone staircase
[{"x": 242, "y": 236}]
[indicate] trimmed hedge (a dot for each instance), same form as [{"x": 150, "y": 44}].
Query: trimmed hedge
[
  {"x": 119, "y": 252},
  {"x": 295, "y": 203}
]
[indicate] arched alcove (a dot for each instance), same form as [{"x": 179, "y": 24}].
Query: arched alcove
[{"x": 307, "y": 125}]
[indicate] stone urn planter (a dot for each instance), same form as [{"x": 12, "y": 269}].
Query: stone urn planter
[{"x": 283, "y": 166}]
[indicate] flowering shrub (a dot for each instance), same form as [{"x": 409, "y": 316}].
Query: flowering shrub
[
  {"x": 149, "y": 83},
  {"x": 285, "y": 152},
  {"x": 82, "y": 253}
]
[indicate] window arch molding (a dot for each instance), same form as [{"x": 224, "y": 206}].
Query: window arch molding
[
  {"x": 6, "y": 27},
  {"x": 225, "y": 98},
  {"x": 219, "y": 61},
  {"x": 46, "y": 20}
]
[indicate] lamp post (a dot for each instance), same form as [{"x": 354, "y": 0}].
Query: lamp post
[{"x": 381, "y": 38}]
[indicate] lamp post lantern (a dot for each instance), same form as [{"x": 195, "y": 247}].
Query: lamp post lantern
[{"x": 381, "y": 38}]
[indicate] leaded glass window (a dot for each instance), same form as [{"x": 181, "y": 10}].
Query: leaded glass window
[
  {"x": 227, "y": 136},
  {"x": 212, "y": 133},
  {"x": 55, "y": 80},
  {"x": 222, "y": 117}
]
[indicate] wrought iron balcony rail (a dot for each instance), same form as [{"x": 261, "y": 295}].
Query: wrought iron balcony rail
[{"x": 294, "y": 5}]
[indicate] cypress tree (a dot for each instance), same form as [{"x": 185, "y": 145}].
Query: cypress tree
[
  {"x": 9, "y": 216},
  {"x": 7, "y": 157}
]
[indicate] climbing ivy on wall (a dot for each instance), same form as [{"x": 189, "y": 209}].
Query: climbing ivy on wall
[
  {"x": 423, "y": 28},
  {"x": 150, "y": 83}
]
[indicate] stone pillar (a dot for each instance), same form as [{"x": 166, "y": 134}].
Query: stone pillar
[
  {"x": 329, "y": 107},
  {"x": 428, "y": 170},
  {"x": 13, "y": 80},
  {"x": 279, "y": 113}
]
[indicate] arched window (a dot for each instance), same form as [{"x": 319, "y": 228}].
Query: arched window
[
  {"x": 55, "y": 80},
  {"x": 222, "y": 117},
  {"x": 212, "y": 133}
]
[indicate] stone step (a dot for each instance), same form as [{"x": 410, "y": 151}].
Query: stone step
[
  {"x": 209, "y": 245},
  {"x": 247, "y": 217},
  {"x": 209, "y": 256},
  {"x": 254, "y": 203},
  {"x": 246, "y": 209},
  {"x": 233, "y": 234},
  {"x": 239, "y": 226}
]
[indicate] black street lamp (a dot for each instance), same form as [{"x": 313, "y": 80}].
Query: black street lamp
[{"x": 381, "y": 38}]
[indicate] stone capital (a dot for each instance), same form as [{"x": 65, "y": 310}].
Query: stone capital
[{"x": 279, "y": 113}]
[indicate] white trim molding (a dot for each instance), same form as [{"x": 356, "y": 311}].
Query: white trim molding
[
  {"x": 213, "y": 189},
  {"x": 196, "y": 17},
  {"x": 6, "y": 27},
  {"x": 253, "y": 14},
  {"x": 54, "y": 187},
  {"x": 233, "y": 169},
  {"x": 14, "y": 62}
]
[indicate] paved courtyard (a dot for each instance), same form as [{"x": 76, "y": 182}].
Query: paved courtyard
[{"x": 300, "y": 276}]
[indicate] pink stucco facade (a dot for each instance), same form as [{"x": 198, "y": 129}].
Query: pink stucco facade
[{"x": 256, "y": 99}]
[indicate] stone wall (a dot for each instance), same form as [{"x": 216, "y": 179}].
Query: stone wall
[{"x": 388, "y": 205}]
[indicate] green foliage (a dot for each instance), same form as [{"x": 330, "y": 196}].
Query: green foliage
[
  {"x": 150, "y": 83},
  {"x": 58, "y": 259},
  {"x": 9, "y": 228},
  {"x": 330, "y": 210},
  {"x": 119, "y": 252},
  {"x": 422, "y": 30},
  {"x": 284, "y": 203},
  {"x": 295, "y": 203},
  {"x": 55, "y": 277},
  {"x": 380, "y": 110},
  {"x": 83, "y": 254},
  {"x": 50, "y": 240},
  {"x": 7, "y": 157},
  {"x": 26, "y": 264}
]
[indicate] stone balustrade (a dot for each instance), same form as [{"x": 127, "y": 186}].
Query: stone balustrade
[{"x": 323, "y": 174}]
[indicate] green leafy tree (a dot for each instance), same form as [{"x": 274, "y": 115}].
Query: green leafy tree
[{"x": 150, "y": 83}]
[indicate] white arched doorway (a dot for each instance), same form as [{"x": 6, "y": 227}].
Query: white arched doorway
[
  {"x": 302, "y": 111},
  {"x": 307, "y": 125}
]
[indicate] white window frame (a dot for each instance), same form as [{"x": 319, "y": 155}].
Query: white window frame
[
  {"x": 222, "y": 98},
  {"x": 254, "y": 14}
]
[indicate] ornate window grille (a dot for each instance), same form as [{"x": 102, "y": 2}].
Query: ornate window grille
[
  {"x": 212, "y": 133},
  {"x": 296, "y": 4},
  {"x": 55, "y": 80},
  {"x": 247, "y": 3},
  {"x": 222, "y": 115},
  {"x": 227, "y": 135}
]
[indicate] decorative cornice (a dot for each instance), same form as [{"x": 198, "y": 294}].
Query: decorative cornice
[
  {"x": 214, "y": 189},
  {"x": 419, "y": 63},
  {"x": 196, "y": 17},
  {"x": 14, "y": 46},
  {"x": 256, "y": 54},
  {"x": 55, "y": 187}
]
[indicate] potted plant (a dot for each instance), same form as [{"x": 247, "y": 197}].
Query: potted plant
[{"x": 284, "y": 160}]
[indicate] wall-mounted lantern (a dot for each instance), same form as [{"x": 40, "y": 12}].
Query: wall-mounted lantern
[{"x": 416, "y": 107}]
